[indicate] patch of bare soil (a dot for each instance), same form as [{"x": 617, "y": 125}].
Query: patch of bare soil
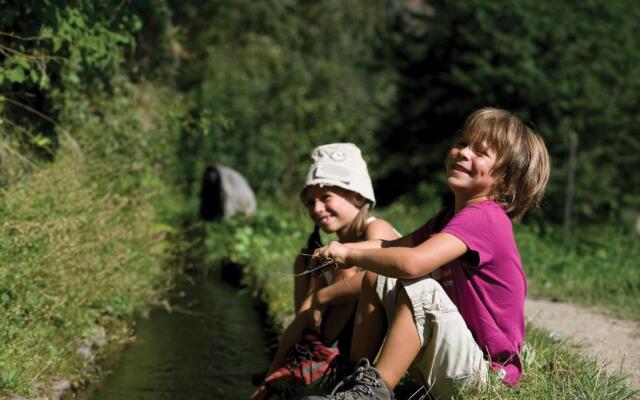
[{"x": 614, "y": 343}]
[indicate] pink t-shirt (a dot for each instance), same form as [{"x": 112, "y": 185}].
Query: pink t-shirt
[{"x": 487, "y": 283}]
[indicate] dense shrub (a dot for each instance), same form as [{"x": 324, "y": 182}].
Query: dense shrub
[
  {"x": 567, "y": 67},
  {"x": 84, "y": 239},
  {"x": 59, "y": 54},
  {"x": 88, "y": 195},
  {"x": 276, "y": 78},
  {"x": 264, "y": 246}
]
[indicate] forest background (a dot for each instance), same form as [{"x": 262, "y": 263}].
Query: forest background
[{"x": 110, "y": 113}]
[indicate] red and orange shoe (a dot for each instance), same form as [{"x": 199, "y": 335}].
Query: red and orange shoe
[{"x": 307, "y": 362}]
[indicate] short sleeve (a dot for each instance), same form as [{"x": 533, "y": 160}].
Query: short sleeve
[
  {"x": 475, "y": 226},
  {"x": 432, "y": 226}
]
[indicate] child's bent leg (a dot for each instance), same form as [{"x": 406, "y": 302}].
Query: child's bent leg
[
  {"x": 291, "y": 335},
  {"x": 335, "y": 319},
  {"x": 449, "y": 357},
  {"x": 300, "y": 283},
  {"x": 402, "y": 343},
  {"x": 370, "y": 324}
]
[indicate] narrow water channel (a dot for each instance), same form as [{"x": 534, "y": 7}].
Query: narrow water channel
[{"x": 205, "y": 348}]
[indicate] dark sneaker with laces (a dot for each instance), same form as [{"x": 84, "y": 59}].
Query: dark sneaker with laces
[
  {"x": 339, "y": 368},
  {"x": 363, "y": 384},
  {"x": 307, "y": 362}
]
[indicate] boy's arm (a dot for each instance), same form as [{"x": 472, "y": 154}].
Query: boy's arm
[
  {"x": 405, "y": 241},
  {"x": 398, "y": 262}
]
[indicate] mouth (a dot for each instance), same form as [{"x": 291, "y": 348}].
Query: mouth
[
  {"x": 324, "y": 220},
  {"x": 458, "y": 167}
]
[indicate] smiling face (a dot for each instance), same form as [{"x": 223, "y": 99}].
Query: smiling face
[
  {"x": 469, "y": 172},
  {"x": 331, "y": 208}
]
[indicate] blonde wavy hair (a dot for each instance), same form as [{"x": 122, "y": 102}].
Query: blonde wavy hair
[{"x": 522, "y": 165}]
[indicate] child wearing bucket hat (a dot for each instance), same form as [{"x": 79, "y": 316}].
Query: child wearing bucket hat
[{"x": 337, "y": 195}]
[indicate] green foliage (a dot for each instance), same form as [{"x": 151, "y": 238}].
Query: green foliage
[
  {"x": 279, "y": 78},
  {"x": 84, "y": 243},
  {"x": 56, "y": 53},
  {"x": 411, "y": 210},
  {"x": 265, "y": 246},
  {"x": 75, "y": 255},
  {"x": 564, "y": 66}
]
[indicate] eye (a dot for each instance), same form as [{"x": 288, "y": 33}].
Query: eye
[{"x": 460, "y": 144}]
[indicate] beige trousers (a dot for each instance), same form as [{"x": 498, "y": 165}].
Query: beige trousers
[{"x": 449, "y": 358}]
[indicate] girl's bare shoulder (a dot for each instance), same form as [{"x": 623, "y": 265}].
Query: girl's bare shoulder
[{"x": 380, "y": 229}]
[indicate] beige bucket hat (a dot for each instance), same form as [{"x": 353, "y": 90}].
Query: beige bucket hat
[{"x": 341, "y": 165}]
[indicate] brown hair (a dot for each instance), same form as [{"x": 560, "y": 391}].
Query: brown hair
[
  {"x": 522, "y": 165},
  {"x": 358, "y": 226}
]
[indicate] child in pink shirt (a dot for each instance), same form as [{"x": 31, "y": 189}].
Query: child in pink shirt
[{"x": 449, "y": 298}]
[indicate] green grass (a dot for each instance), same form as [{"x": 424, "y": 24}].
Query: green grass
[
  {"x": 599, "y": 269},
  {"x": 72, "y": 258},
  {"x": 267, "y": 243},
  {"x": 553, "y": 370},
  {"x": 84, "y": 244}
]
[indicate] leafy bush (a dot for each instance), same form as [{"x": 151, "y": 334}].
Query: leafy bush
[
  {"x": 57, "y": 53},
  {"x": 264, "y": 246},
  {"x": 568, "y": 68},
  {"x": 278, "y": 78},
  {"x": 84, "y": 240}
]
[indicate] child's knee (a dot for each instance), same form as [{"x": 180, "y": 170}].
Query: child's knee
[
  {"x": 402, "y": 298},
  {"x": 370, "y": 281}
]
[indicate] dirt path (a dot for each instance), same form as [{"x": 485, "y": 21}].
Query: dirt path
[{"x": 612, "y": 342}]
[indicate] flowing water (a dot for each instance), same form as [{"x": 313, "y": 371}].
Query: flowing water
[{"x": 206, "y": 347}]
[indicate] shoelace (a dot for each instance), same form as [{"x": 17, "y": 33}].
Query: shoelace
[
  {"x": 331, "y": 376},
  {"x": 362, "y": 381},
  {"x": 364, "y": 385},
  {"x": 300, "y": 352}
]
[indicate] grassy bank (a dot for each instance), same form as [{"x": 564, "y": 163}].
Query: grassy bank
[
  {"x": 84, "y": 243},
  {"x": 266, "y": 246}
]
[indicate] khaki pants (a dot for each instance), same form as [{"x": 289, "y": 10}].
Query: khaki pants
[{"x": 449, "y": 358}]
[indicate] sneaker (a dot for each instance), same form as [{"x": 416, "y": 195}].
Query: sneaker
[
  {"x": 307, "y": 362},
  {"x": 363, "y": 384},
  {"x": 339, "y": 368}
]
